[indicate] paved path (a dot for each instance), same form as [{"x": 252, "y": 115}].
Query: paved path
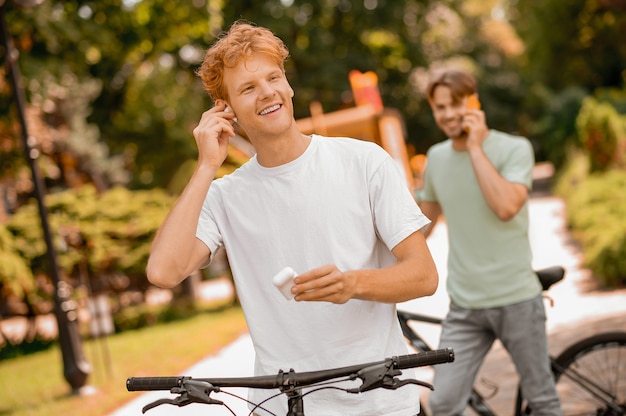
[{"x": 579, "y": 309}]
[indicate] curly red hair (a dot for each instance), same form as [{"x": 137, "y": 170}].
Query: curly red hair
[{"x": 241, "y": 41}]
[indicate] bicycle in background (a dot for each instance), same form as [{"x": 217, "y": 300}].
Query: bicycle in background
[{"x": 590, "y": 374}]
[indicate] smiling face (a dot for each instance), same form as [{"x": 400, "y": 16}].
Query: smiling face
[
  {"x": 448, "y": 112},
  {"x": 260, "y": 96}
]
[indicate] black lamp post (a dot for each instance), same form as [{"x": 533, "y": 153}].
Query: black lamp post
[{"x": 75, "y": 367}]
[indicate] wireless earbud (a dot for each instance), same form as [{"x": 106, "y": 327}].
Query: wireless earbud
[{"x": 228, "y": 110}]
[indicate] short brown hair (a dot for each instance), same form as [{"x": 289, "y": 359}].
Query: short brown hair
[
  {"x": 241, "y": 41},
  {"x": 460, "y": 82}
]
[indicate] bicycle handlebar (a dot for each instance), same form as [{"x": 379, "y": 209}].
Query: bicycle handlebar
[{"x": 292, "y": 378}]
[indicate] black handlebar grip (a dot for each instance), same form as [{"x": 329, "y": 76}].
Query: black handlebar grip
[
  {"x": 426, "y": 358},
  {"x": 153, "y": 383}
]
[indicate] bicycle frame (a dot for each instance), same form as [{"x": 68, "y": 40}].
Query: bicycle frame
[{"x": 476, "y": 402}]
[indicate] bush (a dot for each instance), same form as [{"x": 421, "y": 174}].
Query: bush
[
  {"x": 141, "y": 315},
  {"x": 574, "y": 172},
  {"x": 602, "y": 132},
  {"x": 554, "y": 132},
  {"x": 104, "y": 238},
  {"x": 596, "y": 211},
  {"x": 8, "y": 351},
  {"x": 15, "y": 274}
]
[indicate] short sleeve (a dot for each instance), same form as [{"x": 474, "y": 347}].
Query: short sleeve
[
  {"x": 395, "y": 211},
  {"x": 207, "y": 230},
  {"x": 519, "y": 163},
  {"x": 427, "y": 193}
]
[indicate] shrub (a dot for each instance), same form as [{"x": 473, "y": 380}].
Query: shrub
[
  {"x": 104, "y": 238},
  {"x": 141, "y": 315},
  {"x": 554, "y": 129},
  {"x": 596, "y": 211},
  {"x": 602, "y": 132},
  {"x": 15, "y": 274},
  {"x": 8, "y": 351}
]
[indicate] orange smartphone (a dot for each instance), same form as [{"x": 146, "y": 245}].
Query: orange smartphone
[{"x": 472, "y": 102}]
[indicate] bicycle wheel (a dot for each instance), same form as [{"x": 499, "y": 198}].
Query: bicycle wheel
[{"x": 591, "y": 376}]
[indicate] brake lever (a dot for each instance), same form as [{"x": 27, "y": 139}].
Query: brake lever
[
  {"x": 384, "y": 376},
  {"x": 192, "y": 391},
  {"x": 178, "y": 401},
  {"x": 374, "y": 376},
  {"x": 399, "y": 383}
]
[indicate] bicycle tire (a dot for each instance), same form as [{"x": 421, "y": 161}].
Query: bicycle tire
[{"x": 599, "y": 362}]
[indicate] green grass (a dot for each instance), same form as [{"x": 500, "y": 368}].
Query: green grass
[{"x": 34, "y": 384}]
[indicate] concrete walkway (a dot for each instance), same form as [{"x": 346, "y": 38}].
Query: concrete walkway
[{"x": 579, "y": 309}]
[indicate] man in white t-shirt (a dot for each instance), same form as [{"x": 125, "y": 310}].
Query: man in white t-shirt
[
  {"x": 336, "y": 210},
  {"x": 479, "y": 178}
]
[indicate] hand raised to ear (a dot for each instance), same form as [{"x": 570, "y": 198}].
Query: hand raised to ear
[{"x": 212, "y": 135}]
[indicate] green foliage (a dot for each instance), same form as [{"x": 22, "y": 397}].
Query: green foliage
[
  {"x": 614, "y": 96},
  {"x": 573, "y": 42},
  {"x": 597, "y": 217},
  {"x": 554, "y": 131},
  {"x": 570, "y": 47},
  {"x": 110, "y": 234},
  {"x": 602, "y": 133},
  {"x": 573, "y": 173},
  {"x": 142, "y": 315},
  {"x": 143, "y": 56},
  {"x": 14, "y": 272},
  {"x": 137, "y": 316},
  {"x": 59, "y": 104},
  {"x": 9, "y": 351},
  {"x": 591, "y": 183},
  {"x": 141, "y": 53}
]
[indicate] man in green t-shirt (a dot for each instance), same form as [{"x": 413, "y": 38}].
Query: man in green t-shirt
[{"x": 479, "y": 180}]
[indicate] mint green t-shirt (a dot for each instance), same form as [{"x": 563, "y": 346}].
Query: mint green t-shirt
[{"x": 489, "y": 260}]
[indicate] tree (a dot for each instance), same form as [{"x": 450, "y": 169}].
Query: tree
[
  {"x": 121, "y": 44},
  {"x": 573, "y": 43},
  {"x": 572, "y": 48},
  {"x": 143, "y": 54}
]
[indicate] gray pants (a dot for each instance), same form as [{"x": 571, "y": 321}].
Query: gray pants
[{"x": 471, "y": 333}]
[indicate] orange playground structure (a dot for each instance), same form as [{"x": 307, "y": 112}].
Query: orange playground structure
[{"x": 368, "y": 120}]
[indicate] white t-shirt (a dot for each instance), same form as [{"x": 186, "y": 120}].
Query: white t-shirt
[{"x": 343, "y": 202}]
